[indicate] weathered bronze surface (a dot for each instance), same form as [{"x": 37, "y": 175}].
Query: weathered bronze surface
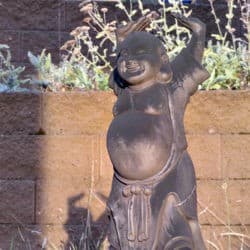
[{"x": 153, "y": 199}]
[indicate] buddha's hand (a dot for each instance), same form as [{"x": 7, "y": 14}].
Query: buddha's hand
[
  {"x": 192, "y": 23},
  {"x": 141, "y": 24}
]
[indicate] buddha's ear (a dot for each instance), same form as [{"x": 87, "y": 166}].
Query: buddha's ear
[
  {"x": 165, "y": 74},
  {"x": 116, "y": 82}
]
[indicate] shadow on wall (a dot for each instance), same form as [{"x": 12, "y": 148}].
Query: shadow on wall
[
  {"x": 43, "y": 173},
  {"x": 87, "y": 234}
]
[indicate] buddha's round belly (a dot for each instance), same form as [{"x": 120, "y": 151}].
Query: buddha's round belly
[{"x": 139, "y": 144}]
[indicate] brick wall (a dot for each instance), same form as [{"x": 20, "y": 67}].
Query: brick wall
[
  {"x": 54, "y": 167},
  {"x": 32, "y": 25}
]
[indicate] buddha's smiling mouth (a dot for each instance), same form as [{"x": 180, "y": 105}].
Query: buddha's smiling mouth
[{"x": 132, "y": 68}]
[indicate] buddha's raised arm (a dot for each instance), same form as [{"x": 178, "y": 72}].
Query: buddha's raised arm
[{"x": 187, "y": 68}]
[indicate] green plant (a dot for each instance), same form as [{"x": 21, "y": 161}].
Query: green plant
[
  {"x": 9, "y": 74},
  {"x": 67, "y": 75},
  {"x": 103, "y": 31},
  {"x": 86, "y": 64},
  {"x": 228, "y": 64},
  {"x": 53, "y": 77}
]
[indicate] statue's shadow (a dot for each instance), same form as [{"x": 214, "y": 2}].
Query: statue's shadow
[{"x": 82, "y": 231}]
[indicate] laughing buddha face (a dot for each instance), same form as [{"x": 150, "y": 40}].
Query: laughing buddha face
[{"x": 140, "y": 59}]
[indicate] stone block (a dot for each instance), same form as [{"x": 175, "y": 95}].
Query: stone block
[
  {"x": 69, "y": 158},
  {"x": 236, "y": 156},
  {"x": 78, "y": 119},
  {"x": 61, "y": 236},
  {"x": 11, "y": 38},
  {"x": 205, "y": 153},
  {"x": 73, "y": 16},
  {"x": 222, "y": 112},
  {"x": 17, "y": 202},
  {"x": 36, "y": 41},
  {"x": 226, "y": 237},
  {"x": 200, "y": 9},
  {"x": 99, "y": 199},
  {"x": 223, "y": 202},
  {"x": 106, "y": 167},
  {"x": 67, "y": 236},
  {"x": 51, "y": 236},
  {"x": 68, "y": 174},
  {"x": 103, "y": 184},
  {"x": 76, "y": 112},
  {"x": 20, "y": 157},
  {"x": 19, "y": 113},
  {"x": 20, "y": 236},
  {"x": 49, "y": 157},
  {"x": 203, "y": 12},
  {"x": 62, "y": 201},
  {"x": 69, "y": 171},
  {"x": 31, "y": 14}
]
